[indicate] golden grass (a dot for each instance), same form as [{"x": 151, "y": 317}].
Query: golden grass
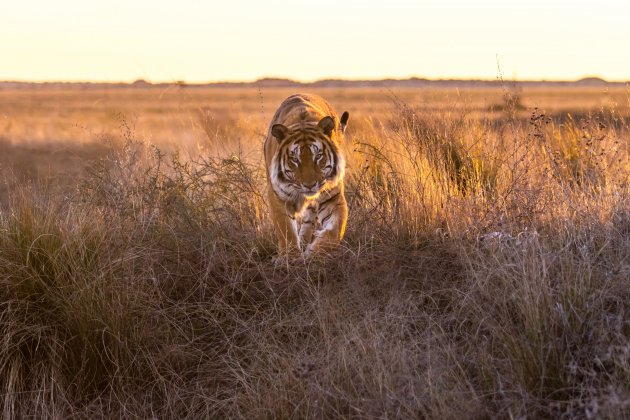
[{"x": 483, "y": 274}]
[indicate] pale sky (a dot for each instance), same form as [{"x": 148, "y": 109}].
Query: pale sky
[{"x": 201, "y": 41}]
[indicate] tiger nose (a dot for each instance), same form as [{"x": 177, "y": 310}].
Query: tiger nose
[{"x": 309, "y": 186}]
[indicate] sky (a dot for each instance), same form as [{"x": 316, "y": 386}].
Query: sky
[{"x": 243, "y": 40}]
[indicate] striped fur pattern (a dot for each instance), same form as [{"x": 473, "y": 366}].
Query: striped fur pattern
[{"x": 305, "y": 168}]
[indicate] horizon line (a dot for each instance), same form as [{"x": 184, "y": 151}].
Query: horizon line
[{"x": 287, "y": 80}]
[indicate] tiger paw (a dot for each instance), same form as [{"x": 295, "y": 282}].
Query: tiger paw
[
  {"x": 308, "y": 252},
  {"x": 280, "y": 260}
]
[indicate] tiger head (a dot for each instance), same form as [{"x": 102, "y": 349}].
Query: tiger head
[{"x": 309, "y": 160}]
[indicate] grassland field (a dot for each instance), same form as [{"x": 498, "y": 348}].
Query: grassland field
[{"x": 485, "y": 272}]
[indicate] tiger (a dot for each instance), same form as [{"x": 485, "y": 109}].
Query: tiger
[{"x": 305, "y": 166}]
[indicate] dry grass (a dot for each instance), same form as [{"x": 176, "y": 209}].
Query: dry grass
[{"x": 484, "y": 273}]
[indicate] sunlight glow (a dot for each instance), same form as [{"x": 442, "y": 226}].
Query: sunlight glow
[{"x": 199, "y": 41}]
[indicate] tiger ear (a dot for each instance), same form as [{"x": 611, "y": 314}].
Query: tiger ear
[
  {"x": 279, "y": 131},
  {"x": 343, "y": 121},
  {"x": 327, "y": 124}
]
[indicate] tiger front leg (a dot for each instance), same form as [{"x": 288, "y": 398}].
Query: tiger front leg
[
  {"x": 332, "y": 217},
  {"x": 307, "y": 223},
  {"x": 285, "y": 226}
]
